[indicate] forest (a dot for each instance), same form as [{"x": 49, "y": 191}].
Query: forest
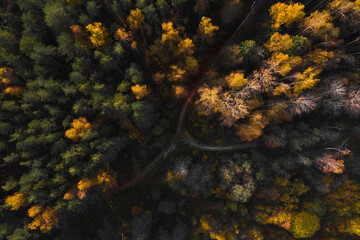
[{"x": 179, "y": 119}]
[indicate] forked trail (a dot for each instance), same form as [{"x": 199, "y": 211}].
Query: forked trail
[{"x": 178, "y": 138}]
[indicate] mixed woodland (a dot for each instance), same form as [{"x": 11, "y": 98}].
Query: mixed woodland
[{"x": 179, "y": 119}]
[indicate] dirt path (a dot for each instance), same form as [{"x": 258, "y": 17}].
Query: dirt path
[{"x": 246, "y": 23}]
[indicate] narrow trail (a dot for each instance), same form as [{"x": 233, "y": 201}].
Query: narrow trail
[
  {"x": 189, "y": 140},
  {"x": 245, "y": 24}
]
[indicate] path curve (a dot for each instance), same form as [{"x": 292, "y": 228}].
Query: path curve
[{"x": 243, "y": 26}]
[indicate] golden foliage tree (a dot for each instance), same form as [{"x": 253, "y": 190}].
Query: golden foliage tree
[
  {"x": 16, "y": 201},
  {"x": 179, "y": 91},
  {"x": 319, "y": 56},
  {"x": 206, "y": 28},
  {"x": 135, "y": 19},
  {"x": 45, "y": 220},
  {"x": 304, "y": 225},
  {"x": 282, "y": 89},
  {"x": 344, "y": 199},
  {"x": 273, "y": 215},
  {"x": 15, "y": 91},
  {"x": 70, "y": 194},
  {"x": 85, "y": 183},
  {"x": 279, "y": 43},
  {"x": 140, "y": 91},
  {"x": 283, "y": 63},
  {"x": 209, "y": 99},
  {"x": 6, "y": 75},
  {"x": 83, "y": 186},
  {"x": 186, "y": 46},
  {"x": 350, "y": 225},
  {"x": 170, "y": 34},
  {"x": 78, "y": 128},
  {"x": 34, "y": 210},
  {"x": 236, "y": 80},
  {"x": 252, "y": 130},
  {"x": 345, "y": 8},
  {"x": 98, "y": 34},
  {"x": 124, "y": 36},
  {"x": 107, "y": 179},
  {"x": 176, "y": 74},
  {"x": 319, "y": 23},
  {"x": 286, "y": 14},
  {"x": 306, "y": 80}
]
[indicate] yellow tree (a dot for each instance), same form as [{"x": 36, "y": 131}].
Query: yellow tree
[
  {"x": 350, "y": 225},
  {"x": 16, "y": 201},
  {"x": 207, "y": 29},
  {"x": 78, "y": 128},
  {"x": 179, "y": 91},
  {"x": 6, "y": 75},
  {"x": 176, "y": 74},
  {"x": 282, "y": 89},
  {"x": 140, "y": 91},
  {"x": 344, "y": 199},
  {"x": 209, "y": 101},
  {"x": 279, "y": 43},
  {"x": 319, "y": 23},
  {"x": 169, "y": 33},
  {"x": 135, "y": 19},
  {"x": 306, "y": 80},
  {"x": 286, "y": 14},
  {"x": 283, "y": 63},
  {"x": 320, "y": 57},
  {"x": 98, "y": 34},
  {"x": 186, "y": 46},
  {"x": 252, "y": 130},
  {"x": 83, "y": 186},
  {"x": 343, "y": 7},
  {"x": 124, "y": 36},
  {"x": 304, "y": 225},
  {"x": 236, "y": 80},
  {"x": 15, "y": 91},
  {"x": 34, "y": 210},
  {"x": 106, "y": 178},
  {"x": 45, "y": 220},
  {"x": 273, "y": 215}
]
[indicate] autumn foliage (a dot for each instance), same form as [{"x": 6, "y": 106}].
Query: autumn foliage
[
  {"x": 135, "y": 19},
  {"x": 78, "y": 128},
  {"x": 16, "y": 201},
  {"x": 286, "y": 14},
  {"x": 98, "y": 34},
  {"x": 45, "y": 218}
]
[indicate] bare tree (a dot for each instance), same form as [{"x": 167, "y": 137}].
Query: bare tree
[
  {"x": 353, "y": 102},
  {"x": 232, "y": 108},
  {"x": 303, "y": 104},
  {"x": 328, "y": 164}
]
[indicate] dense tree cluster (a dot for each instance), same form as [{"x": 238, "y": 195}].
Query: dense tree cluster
[{"x": 177, "y": 119}]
